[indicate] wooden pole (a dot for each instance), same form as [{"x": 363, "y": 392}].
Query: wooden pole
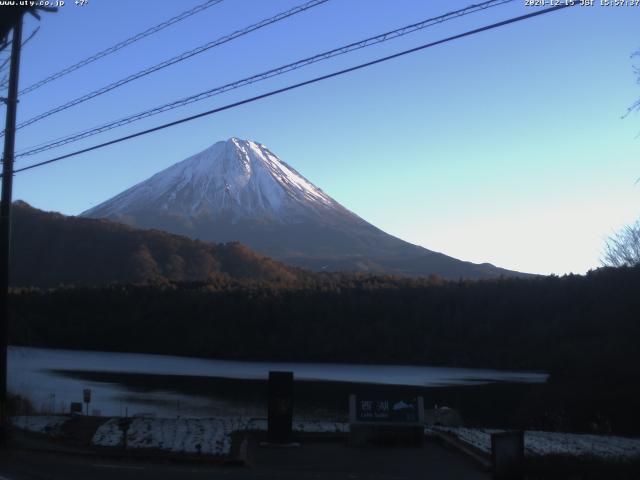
[{"x": 5, "y": 217}]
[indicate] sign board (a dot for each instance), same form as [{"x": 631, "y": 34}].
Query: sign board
[
  {"x": 280, "y": 407},
  {"x": 401, "y": 410},
  {"x": 86, "y": 395},
  {"x": 390, "y": 410},
  {"x": 76, "y": 407},
  {"x": 386, "y": 420},
  {"x": 507, "y": 454}
]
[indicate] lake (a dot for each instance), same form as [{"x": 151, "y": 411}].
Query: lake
[{"x": 163, "y": 385}]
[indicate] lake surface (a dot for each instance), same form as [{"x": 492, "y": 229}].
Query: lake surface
[{"x": 134, "y": 383}]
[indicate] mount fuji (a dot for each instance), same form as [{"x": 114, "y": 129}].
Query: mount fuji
[{"x": 238, "y": 190}]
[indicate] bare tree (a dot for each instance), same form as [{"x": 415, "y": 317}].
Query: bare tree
[
  {"x": 635, "y": 107},
  {"x": 623, "y": 248}
]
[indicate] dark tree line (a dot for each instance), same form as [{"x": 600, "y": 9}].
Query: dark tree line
[{"x": 538, "y": 323}]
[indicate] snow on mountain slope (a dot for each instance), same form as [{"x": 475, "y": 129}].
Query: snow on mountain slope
[{"x": 237, "y": 179}]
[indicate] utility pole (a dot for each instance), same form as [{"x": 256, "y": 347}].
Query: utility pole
[
  {"x": 11, "y": 19},
  {"x": 5, "y": 216}
]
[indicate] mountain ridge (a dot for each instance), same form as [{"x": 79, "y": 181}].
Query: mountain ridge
[
  {"x": 50, "y": 249},
  {"x": 238, "y": 190}
]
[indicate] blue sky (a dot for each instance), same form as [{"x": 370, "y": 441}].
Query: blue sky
[{"x": 505, "y": 147}]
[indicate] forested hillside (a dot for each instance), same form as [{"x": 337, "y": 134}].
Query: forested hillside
[{"x": 50, "y": 249}]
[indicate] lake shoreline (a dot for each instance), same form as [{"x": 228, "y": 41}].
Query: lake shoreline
[
  {"x": 259, "y": 359},
  {"x": 178, "y": 386}
]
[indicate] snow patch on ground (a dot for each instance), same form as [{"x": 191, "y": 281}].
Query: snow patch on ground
[
  {"x": 48, "y": 424},
  {"x": 206, "y": 436},
  {"x": 539, "y": 444},
  {"x": 109, "y": 434}
]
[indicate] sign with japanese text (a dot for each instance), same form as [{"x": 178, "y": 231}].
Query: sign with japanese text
[{"x": 402, "y": 410}]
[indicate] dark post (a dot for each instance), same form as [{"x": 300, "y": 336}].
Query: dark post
[
  {"x": 5, "y": 217},
  {"x": 280, "y": 407},
  {"x": 507, "y": 455}
]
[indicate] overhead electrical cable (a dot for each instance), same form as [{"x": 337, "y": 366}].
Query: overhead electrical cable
[
  {"x": 259, "y": 77},
  {"x": 5, "y": 63},
  {"x": 298, "y": 85},
  {"x": 173, "y": 60},
  {"x": 120, "y": 45}
]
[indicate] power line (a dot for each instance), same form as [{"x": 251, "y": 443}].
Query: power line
[
  {"x": 261, "y": 76},
  {"x": 120, "y": 45},
  {"x": 301, "y": 84},
  {"x": 6, "y": 61},
  {"x": 174, "y": 60}
]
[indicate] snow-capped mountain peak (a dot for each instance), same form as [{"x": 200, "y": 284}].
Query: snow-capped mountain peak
[
  {"x": 238, "y": 190},
  {"x": 236, "y": 179}
]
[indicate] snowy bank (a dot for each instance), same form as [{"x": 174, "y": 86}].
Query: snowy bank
[
  {"x": 202, "y": 436},
  {"x": 540, "y": 444},
  {"x": 47, "y": 424}
]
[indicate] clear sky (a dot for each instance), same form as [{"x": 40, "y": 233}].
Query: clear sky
[{"x": 505, "y": 147}]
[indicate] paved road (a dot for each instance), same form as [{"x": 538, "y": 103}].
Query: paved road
[{"x": 313, "y": 460}]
